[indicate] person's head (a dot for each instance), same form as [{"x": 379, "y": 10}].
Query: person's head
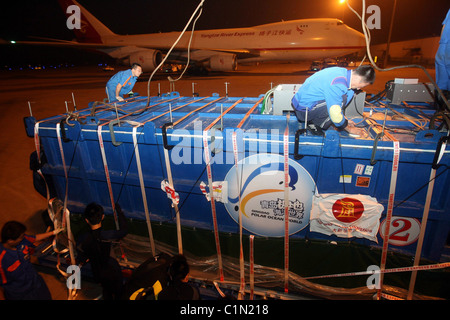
[
  {"x": 12, "y": 233},
  {"x": 362, "y": 77},
  {"x": 93, "y": 214},
  {"x": 179, "y": 269},
  {"x": 136, "y": 69}
]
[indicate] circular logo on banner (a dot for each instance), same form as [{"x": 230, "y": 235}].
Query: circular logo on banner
[
  {"x": 259, "y": 185},
  {"x": 348, "y": 210}
]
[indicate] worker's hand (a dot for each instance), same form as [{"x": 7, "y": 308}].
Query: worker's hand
[
  {"x": 119, "y": 98},
  {"x": 354, "y": 131},
  {"x": 58, "y": 230}
]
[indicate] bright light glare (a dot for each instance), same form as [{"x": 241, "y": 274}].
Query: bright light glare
[{"x": 342, "y": 1}]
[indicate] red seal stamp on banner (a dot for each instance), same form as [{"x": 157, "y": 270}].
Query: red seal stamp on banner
[{"x": 348, "y": 210}]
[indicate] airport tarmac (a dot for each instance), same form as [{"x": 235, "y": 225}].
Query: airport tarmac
[{"x": 48, "y": 90}]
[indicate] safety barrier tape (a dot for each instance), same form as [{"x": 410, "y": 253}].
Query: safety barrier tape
[
  {"x": 241, "y": 250},
  {"x": 213, "y": 205},
  {"x": 390, "y": 297},
  {"x": 383, "y": 271},
  {"x": 252, "y": 267},
  {"x": 108, "y": 179},
  {"x": 66, "y": 213},
  {"x": 66, "y": 216},
  {"x": 37, "y": 145},
  {"x": 61, "y": 150},
  {"x": 286, "y": 205},
  {"x": 395, "y": 165},
  {"x": 174, "y": 200},
  {"x": 143, "y": 193},
  {"x": 52, "y": 217},
  {"x": 69, "y": 236}
]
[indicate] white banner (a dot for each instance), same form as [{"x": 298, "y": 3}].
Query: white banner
[{"x": 346, "y": 215}]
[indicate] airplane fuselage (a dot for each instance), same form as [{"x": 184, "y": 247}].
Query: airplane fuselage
[
  {"x": 220, "y": 49},
  {"x": 290, "y": 40}
]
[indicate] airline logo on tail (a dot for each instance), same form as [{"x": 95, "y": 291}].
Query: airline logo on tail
[{"x": 78, "y": 20}]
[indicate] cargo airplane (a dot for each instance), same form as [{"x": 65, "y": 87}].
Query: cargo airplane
[{"x": 219, "y": 49}]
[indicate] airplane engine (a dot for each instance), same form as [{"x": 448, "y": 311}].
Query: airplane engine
[
  {"x": 148, "y": 59},
  {"x": 223, "y": 62}
]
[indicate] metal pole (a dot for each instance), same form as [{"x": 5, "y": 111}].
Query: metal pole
[
  {"x": 74, "y": 104},
  {"x": 29, "y": 107},
  {"x": 423, "y": 226},
  {"x": 193, "y": 89},
  {"x": 226, "y": 88}
]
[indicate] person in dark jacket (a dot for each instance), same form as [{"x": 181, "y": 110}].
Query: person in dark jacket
[
  {"x": 95, "y": 246},
  {"x": 179, "y": 287}
]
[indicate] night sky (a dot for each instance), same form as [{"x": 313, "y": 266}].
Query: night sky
[{"x": 20, "y": 20}]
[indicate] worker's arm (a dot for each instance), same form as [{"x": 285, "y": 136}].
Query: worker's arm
[
  {"x": 123, "y": 224},
  {"x": 336, "y": 115},
  {"x": 42, "y": 236},
  {"x": 118, "y": 88},
  {"x": 334, "y": 98},
  {"x": 123, "y": 227}
]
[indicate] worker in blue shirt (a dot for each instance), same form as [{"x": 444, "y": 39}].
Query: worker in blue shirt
[
  {"x": 322, "y": 98},
  {"x": 122, "y": 82},
  {"x": 18, "y": 278},
  {"x": 442, "y": 59}
]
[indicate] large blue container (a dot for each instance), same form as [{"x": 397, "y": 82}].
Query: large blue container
[{"x": 334, "y": 163}]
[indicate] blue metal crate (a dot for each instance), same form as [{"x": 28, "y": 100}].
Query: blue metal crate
[{"x": 330, "y": 164}]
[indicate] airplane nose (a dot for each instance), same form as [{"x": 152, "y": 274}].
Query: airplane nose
[
  {"x": 357, "y": 37},
  {"x": 361, "y": 38}
]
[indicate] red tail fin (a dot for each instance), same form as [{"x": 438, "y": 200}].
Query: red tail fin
[{"x": 91, "y": 29}]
